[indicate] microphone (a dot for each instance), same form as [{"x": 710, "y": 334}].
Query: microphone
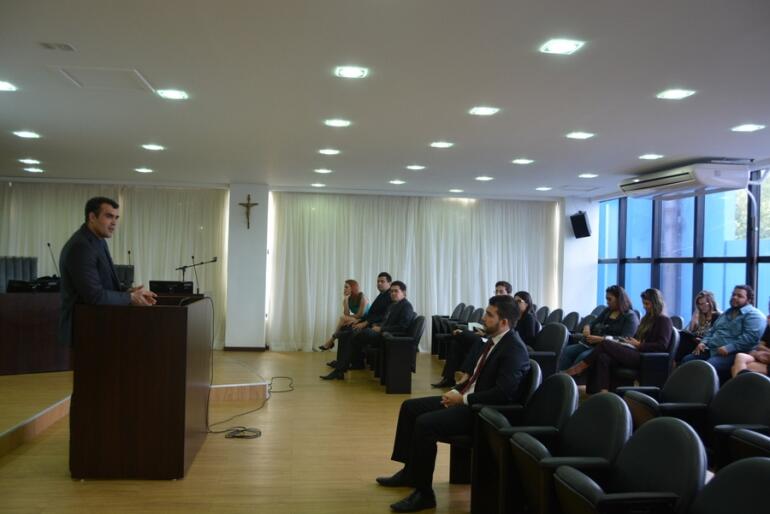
[
  {"x": 55, "y": 265},
  {"x": 195, "y": 270},
  {"x": 129, "y": 257}
]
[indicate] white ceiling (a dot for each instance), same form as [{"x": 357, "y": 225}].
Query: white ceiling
[{"x": 260, "y": 78}]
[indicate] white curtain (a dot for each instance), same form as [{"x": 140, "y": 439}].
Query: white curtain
[
  {"x": 446, "y": 250},
  {"x": 163, "y": 228}
]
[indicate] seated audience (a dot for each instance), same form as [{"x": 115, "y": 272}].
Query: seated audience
[
  {"x": 706, "y": 312},
  {"x": 527, "y": 326},
  {"x": 758, "y": 358},
  {"x": 461, "y": 341},
  {"x": 354, "y": 306},
  {"x": 501, "y": 365},
  {"x": 653, "y": 335},
  {"x": 400, "y": 314},
  {"x": 737, "y": 330},
  {"x": 617, "y": 320}
]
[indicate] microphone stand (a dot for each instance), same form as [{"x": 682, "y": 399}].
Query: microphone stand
[{"x": 193, "y": 266}]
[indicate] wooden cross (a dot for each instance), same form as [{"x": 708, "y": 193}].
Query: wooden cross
[{"x": 248, "y": 205}]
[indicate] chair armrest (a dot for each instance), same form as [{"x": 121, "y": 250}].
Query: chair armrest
[
  {"x": 747, "y": 443},
  {"x": 622, "y": 503},
  {"x": 728, "y": 430},
  {"x": 530, "y": 445},
  {"x": 654, "y": 368},
  {"x": 651, "y": 391},
  {"x": 676, "y": 409},
  {"x": 575, "y": 482},
  {"x": 398, "y": 339},
  {"x": 589, "y": 464},
  {"x": 547, "y": 436}
]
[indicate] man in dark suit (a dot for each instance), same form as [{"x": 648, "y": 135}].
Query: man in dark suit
[
  {"x": 87, "y": 273},
  {"x": 400, "y": 314},
  {"x": 501, "y": 366}
]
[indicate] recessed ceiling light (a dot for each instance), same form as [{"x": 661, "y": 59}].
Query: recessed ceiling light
[
  {"x": 675, "y": 94},
  {"x": 317, "y": 184},
  {"x": 748, "y": 127},
  {"x": 143, "y": 170},
  {"x": 442, "y": 144},
  {"x": 33, "y": 170},
  {"x": 484, "y": 111},
  {"x": 650, "y": 156},
  {"x": 323, "y": 171},
  {"x": 29, "y": 161},
  {"x": 543, "y": 188},
  {"x": 7, "y": 86},
  {"x": 172, "y": 94},
  {"x": 26, "y": 134},
  {"x": 522, "y": 160},
  {"x": 397, "y": 182},
  {"x": 351, "y": 72},
  {"x": 635, "y": 180},
  {"x": 153, "y": 147},
  {"x": 484, "y": 178},
  {"x": 337, "y": 122},
  {"x": 456, "y": 191},
  {"x": 561, "y": 46},
  {"x": 580, "y": 135},
  {"x": 587, "y": 175},
  {"x": 415, "y": 167},
  {"x": 328, "y": 151}
]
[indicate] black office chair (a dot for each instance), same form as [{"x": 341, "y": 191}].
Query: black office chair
[
  {"x": 686, "y": 395},
  {"x": 542, "y": 313},
  {"x": 547, "y": 347},
  {"x": 678, "y": 322},
  {"x": 654, "y": 367},
  {"x": 554, "y": 317},
  {"x": 739, "y": 488},
  {"x": 448, "y": 326},
  {"x": 585, "y": 322},
  {"x": 494, "y": 486},
  {"x": 660, "y": 469},
  {"x": 745, "y": 443},
  {"x": 598, "y": 310},
  {"x": 399, "y": 358},
  {"x": 590, "y": 441},
  {"x": 436, "y": 324},
  {"x": 571, "y": 321}
]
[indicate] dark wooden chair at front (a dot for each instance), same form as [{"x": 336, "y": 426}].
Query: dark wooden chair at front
[{"x": 399, "y": 358}]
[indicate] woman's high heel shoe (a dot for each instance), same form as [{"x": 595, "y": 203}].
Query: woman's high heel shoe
[{"x": 327, "y": 346}]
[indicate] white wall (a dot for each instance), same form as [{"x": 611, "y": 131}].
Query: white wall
[
  {"x": 579, "y": 258},
  {"x": 246, "y": 265}
]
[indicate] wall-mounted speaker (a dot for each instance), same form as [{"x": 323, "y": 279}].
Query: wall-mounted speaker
[{"x": 580, "y": 226}]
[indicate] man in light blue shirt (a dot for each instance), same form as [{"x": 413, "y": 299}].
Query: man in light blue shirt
[{"x": 737, "y": 330}]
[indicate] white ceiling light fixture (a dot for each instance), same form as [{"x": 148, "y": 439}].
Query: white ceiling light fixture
[
  {"x": 561, "y": 46},
  {"x": 337, "y": 123},
  {"x": 153, "y": 147},
  {"x": 747, "y": 127},
  {"x": 587, "y": 175},
  {"x": 650, "y": 156},
  {"x": 328, "y": 151},
  {"x": 397, "y": 182},
  {"x": 172, "y": 94},
  {"x": 29, "y": 161},
  {"x": 522, "y": 160},
  {"x": 415, "y": 167},
  {"x": 484, "y": 111},
  {"x": 442, "y": 144},
  {"x": 484, "y": 178},
  {"x": 143, "y": 170},
  {"x": 580, "y": 135},
  {"x": 33, "y": 170},
  {"x": 317, "y": 184},
  {"x": 7, "y": 86},
  {"x": 323, "y": 171},
  {"x": 675, "y": 94},
  {"x": 456, "y": 191},
  {"x": 543, "y": 188},
  {"x": 351, "y": 72},
  {"x": 26, "y": 134}
]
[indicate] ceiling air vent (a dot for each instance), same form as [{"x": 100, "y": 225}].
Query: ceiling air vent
[{"x": 63, "y": 47}]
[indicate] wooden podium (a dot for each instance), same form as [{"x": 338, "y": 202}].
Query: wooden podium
[{"x": 140, "y": 388}]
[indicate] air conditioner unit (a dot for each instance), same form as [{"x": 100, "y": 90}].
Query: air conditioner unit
[{"x": 687, "y": 181}]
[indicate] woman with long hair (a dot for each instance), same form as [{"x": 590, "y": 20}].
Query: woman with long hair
[
  {"x": 653, "y": 335},
  {"x": 526, "y": 327},
  {"x": 706, "y": 313},
  {"x": 354, "y": 306}
]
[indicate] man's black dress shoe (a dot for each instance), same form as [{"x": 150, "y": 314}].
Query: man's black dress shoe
[
  {"x": 398, "y": 479},
  {"x": 444, "y": 383},
  {"x": 332, "y": 364},
  {"x": 338, "y": 375},
  {"x": 418, "y": 500}
]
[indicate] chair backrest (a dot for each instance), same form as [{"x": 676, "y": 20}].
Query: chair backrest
[
  {"x": 476, "y": 316},
  {"x": 553, "y": 403},
  {"x": 415, "y": 329},
  {"x": 744, "y": 399},
  {"x": 551, "y": 338},
  {"x": 677, "y": 321},
  {"x": 531, "y": 382},
  {"x": 598, "y": 310},
  {"x": 664, "y": 455},
  {"x": 466, "y": 314},
  {"x": 17, "y": 268},
  {"x": 458, "y": 311},
  {"x": 554, "y": 317},
  {"x": 585, "y": 322},
  {"x": 739, "y": 487},
  {"x": 673, "y": 346},
  {"x": 692, "y": 382},
  {"x": 598, "y": 428},
  {"x": 542, "y": 313},
  {"x": 571, "y": 320}
]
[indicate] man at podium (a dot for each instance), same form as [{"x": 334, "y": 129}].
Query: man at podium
[{"x": 87, "y": 272}]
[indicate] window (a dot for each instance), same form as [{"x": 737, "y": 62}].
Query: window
[
  {"x": 637, "y": 280},
  {"x": 677, "y": 227},
  {"x": 608, "y": 230},
  {"x": 639, "y": 229},
  {"x": 725, "y": 225},
  {"x": 676, "y": 286},
  {"x": 608, "y": 276},
  {"x": 720, "y": 278}
]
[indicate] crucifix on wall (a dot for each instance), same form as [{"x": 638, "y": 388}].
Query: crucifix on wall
[{"x": 248, "y": 205}]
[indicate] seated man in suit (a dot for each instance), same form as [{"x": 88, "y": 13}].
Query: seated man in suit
[
  {"x": 400, "y": 314},
  {"x": 87, "y": 272},
  {"x": 460, "y": 343},
  {"x": 502, "y": 364}
]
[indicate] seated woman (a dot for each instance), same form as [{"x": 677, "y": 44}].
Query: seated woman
[
  {"x": 757, "y": 359},
  {"x": 617, "y": 320},
  {"x": 354, "y": 306},
  {"x": 653, "y": 335},
  {"x": 527, "y": 326},
  {"x": 706, "y": 312}
]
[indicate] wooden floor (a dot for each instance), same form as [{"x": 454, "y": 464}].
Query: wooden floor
[{"x": 322, "y": 446}]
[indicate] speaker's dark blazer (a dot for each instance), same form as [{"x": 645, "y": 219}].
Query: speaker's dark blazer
[
  {"x": 501, "y": 377},
  {"x": 399, "y": 316},
  {"x": 87, "y": 276}
]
